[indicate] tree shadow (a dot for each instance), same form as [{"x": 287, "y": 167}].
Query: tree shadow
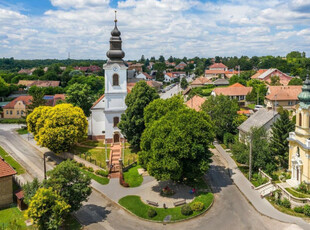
[
  {"x": 91, "y": 213},
  {"x": 219, "y": 177}
]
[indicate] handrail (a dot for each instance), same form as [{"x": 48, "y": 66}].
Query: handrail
[{"x": 297, "y": 199}]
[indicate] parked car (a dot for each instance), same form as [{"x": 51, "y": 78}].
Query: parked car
[{"x": 258, "y": 107}]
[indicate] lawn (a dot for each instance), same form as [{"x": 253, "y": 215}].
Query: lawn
[
  {"x": 18, "y": 168},
  {"x": 94, "y": 143},
  {"x": 10, "y": 214},
  {"x": 22, "y": 131},
  {"x": 12, "y": 121},
  {"x": 136, "y": 206},
  {"x": 251, "y": 106},
  {"x": 132, "y": 177},
  {"x": 297, "y": 194},
  {"x": 99, "y": 179}
]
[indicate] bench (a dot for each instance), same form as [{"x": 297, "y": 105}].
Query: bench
[
  {"x": 178, "y": 203},
  {"x": 152, "y": 203}
]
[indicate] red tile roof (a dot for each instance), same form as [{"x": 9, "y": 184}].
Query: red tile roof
[
  {"x": 99, "y": 99},
  {"x": 233, "y": 91},
  {"x": 195, "y": 102},
  {"x": 27, "y": 100},
  {"x": 284, "y": 93},
  {"x": 237, "y": 85},
  {"x": 39, "y": 83},
  {"x": 201, "y": 81},
  {"x": 217, "y": 65},
  {"x": 19, "y": 194},
  {"x": 6, "y": 169},
  {"x": 258, "y": 73},
  {"x": 219, "y": 71}
]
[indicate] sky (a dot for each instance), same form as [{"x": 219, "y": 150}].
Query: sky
[{"x": 39, "y": 29}]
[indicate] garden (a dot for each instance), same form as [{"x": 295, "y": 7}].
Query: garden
[{"x": 132, "y": 176}]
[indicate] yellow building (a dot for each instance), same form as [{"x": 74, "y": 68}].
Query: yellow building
[
  {"x": 299, "y": 141},
  {"x": 17, "y": 108}
]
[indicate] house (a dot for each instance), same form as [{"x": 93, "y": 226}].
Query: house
[
  {"x": 220, "y": 82},
  {"x": 145, "y": 76},
  {"x": 180, "y": 66},
  {"x": 18, "y": 107},
  {"x": 267, "y": 74},
  {"x": 169, "y": 63},
  {"x": 235, "y": 91},
  {"x": 201, "y": 81},
  {"x": 155, "y": 84},
  {"x": 169, "y": 77},
  {"x": 26, "y": 71},
  {"x": 91, "y": 68},
  {"x": 262, "y": 118},
  {"x": 6, "y": 184},
  {"x": 137, "y": 67},
  {"x": 195, "y": 102},
  {"x": 299, "y": 143},
  {"x": 218, "y": 66},
  {"x": 285, "y": 96},
  {"x": 219, "y": 70},
  {"x": 39, "y": 83}
]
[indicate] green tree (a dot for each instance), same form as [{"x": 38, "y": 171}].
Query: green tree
[
  {"x": 184, "y": 83},
  {"x": 37, "y": 94},
  {"x": 142, "y": 60},
  {"x": 80, "y": 95},
  {"x": 4, "y": 88},
  {"x": 258, "y": 92},
  {"x": 176, "y": 146},
  {"x": 296, "y": 81},
  {"x": 70, "y": 183},
  {"x": 47, "y": 209},
  {"x": 58, "y": 128},
  {"x": 280, "y": 133},
  {"x": 161, "y": 58},
  {"x": 39, "y": 72},
  {"x": 132, "y": 121},
  {"x": 30, "y": 189},
  {"x": 275, "y": 80},
  {"x": 223, "y": 112}
]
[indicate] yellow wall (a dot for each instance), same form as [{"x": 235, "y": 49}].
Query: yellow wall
[{"x": 18, "y": 111}]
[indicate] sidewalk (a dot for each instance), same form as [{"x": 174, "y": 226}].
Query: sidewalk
[{"x": 253, "y": 196}]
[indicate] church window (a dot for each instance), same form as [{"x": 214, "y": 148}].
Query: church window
[
  {"x": 300, "y": 119},
  {"x": 115, "y": 121},
  {"x": 115, "y": 79}
]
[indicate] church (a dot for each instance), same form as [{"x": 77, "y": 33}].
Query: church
[
  {"x": 107, "y": 110},
  {"x": 299, "y": 141}
]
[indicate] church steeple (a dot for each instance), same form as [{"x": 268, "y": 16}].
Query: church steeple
[
  {"x": 115, "y": 53},
  {"x": 304, "y": 96}
]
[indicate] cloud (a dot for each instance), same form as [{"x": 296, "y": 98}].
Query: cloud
[{"x": 157, "y": 27}]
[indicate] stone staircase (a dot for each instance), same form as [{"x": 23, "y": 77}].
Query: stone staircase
[
  {"x": 115, "y": 155},
  {"x": 266, "y": 189}
]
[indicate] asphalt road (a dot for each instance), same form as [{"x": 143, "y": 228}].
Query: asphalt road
[{"x": 230, "y": 210}]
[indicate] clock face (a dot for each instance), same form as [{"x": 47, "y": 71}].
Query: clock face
[{"x": 115, "y": 68}]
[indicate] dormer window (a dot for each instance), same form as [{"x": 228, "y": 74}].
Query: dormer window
[{"x": 115, "y": 79}]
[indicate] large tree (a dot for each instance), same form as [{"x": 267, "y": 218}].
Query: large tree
[
  {"x": 223, "y": 112},
  {"x": 69, "y": 182},
  {"x": 80, "y": 95},
  {"x": 280, "y": 133},
  {"x": 30, "y": 189},
  {"x": 295, "y": 81},
  {"x": 37, "y": 94},
  {"x": 47, "y": 209},
  {"x": 184, "y": 83},
  {"x": 176, "y": 146},
  {"x": 132, "y": 121},
  {"x": 4, "y": 88},
  {"x": 57, "y": 128}
]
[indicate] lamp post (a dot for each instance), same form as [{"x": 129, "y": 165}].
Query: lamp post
[
  {"x": 250, "y": 158},
  {"x": 44, "y": 161},
  {"x": 106, "y": 151}
]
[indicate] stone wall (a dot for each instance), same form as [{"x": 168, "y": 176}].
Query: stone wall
[{"x": 6, "y": 191}]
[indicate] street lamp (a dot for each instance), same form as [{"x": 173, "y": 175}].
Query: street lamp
[
  {"x": 44, "y": 160},
  {"x": 106, "y": 150}
]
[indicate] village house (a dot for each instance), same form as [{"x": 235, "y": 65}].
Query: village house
[
  {"x": 6, "y": 184},
  {"x": 155, "y": 84},
  {"x": 39, "y": 83},
  {"x": 195, "y": 102},
  {"x": 137, "y": 67},
  {"x": 266, "y": 75},
  {"x": 180, "y": 66},
  {"x": 235, "y": 91},
  {"x": 18, "y": 107},
  {"x": 145, "y": 76},
  {"x": 219, "y": 70},
  {"x": 92, "y": 68},
  {"x": 200, "y": 81},
  {"x": 170, "y": 63},
  {"x": 26, "y": 71},
  {"x": 284, "y": 96},
  {"x": 169, "y": 77},
  {"x": 262, "y": 118}
]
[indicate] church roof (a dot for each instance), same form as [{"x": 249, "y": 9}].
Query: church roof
[
  {"x": 115, "y": 53},
  {"x": 304, "y": 96}
]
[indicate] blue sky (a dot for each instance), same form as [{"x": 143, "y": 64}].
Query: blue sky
[{"x": 33, "y": 29}]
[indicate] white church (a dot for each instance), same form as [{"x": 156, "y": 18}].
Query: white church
[{"x": 107, "y": 110}]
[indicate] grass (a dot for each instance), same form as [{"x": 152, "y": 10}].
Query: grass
[
  {"x": 132, "y": 177},
  {"x": 22, "y": 131},
  {"x": 296, "y": 193},
  {"x": 18, "y": 168},
  {"x": 72, "y": 224},
  {"x": 12, "y": 121},
  {"x": 136, "y": 206},
  {"x": 92, "y": 143},
  {"x": 10, "y": 214},
  {"x": 99, "y": 179},
  {"x": 251, "y": 106}
]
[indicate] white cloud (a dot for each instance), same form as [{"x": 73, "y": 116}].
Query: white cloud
[{"x": 78, "y": 3}]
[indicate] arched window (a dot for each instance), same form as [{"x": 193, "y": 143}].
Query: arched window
[
  {"x": 115, "y": 121},
  {"x": 115, "y": 79},
  {"x": 300, "y": 119}
]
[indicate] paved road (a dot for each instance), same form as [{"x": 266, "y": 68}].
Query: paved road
[{"x": 230, "y": 211}]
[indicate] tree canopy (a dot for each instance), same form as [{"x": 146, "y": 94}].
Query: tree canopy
[
  {"x": 132, "y": 121},
  {"x": 57, "y": 128},
  {"x": 295, "y": 81},
  {"x": 176, "y": 146}
]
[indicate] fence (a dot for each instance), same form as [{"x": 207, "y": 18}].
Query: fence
[{"x": 290, "y": 197}]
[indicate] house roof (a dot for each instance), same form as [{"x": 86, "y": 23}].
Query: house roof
[
  {"x": 6, "y": 169},
  {"x": 25, "y": 71},
  {"x": 39, "y": 83},
  {"x": 19, "y": 194},
  {"x": 201, "y": 81},
  {"x": 154, "y": 84},
  {"x": 27, "y": 100},
  {"x": 195, "y": 102},
  {"x": 96, "y": 102},
  {"x": 258, "y": 119},
  {"x": 221, "y": 82},
  {"x": 147, "y": 75},
  {"x": 283, "y": 93},
  {"x": 233, "y": 90},
  {"x": 258, "y": 73},
  {"x": 218, "y": 65},
  {"x": 220, "y": 71}
]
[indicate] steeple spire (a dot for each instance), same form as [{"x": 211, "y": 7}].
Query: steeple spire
[
  {"x": 115, "y": 53},
  {"x": 304, "y": 96}
]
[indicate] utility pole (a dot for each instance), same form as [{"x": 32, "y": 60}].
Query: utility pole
[
  {"x": 250, "y": 158},
  {"x": 257, "y": 96},
  {"x": 44, "y": 160}
]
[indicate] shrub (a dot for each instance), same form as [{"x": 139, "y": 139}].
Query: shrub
[
  {"x": 84, "y": 167},
  {"x": 186, "y": 210},
  {"x": 228, "y": 139},
  {"x": 307, "y": 210},
  {"x": 81, "y": 164},
  {"x": 286, "y": 203},
  {"x": 151, "y": 212},
  {"x": 197, "y": 206},
  {"x": 102, "y": 173},
  {"x": 90, "y": 169},
  {"x": 302, "y": 187},
  {"x": 299, "y": 209}
]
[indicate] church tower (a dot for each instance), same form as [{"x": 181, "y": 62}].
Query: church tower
[
  {"x": 115, "y": 86},
  {"x": 299, "y": 141}
]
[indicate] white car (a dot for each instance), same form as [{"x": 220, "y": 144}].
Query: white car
[{"x": 258, "y": 107}]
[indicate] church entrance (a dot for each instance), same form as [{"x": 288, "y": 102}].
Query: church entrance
[{"x": 116, "y": 138}]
